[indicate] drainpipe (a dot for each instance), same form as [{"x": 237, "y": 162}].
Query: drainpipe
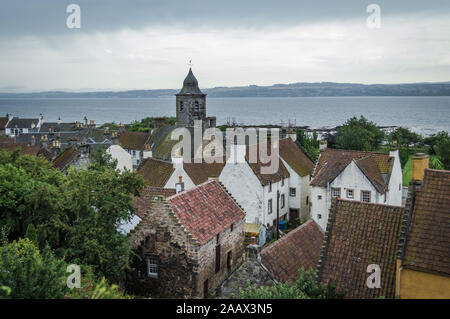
[
  {"x": 278, "y": 214},
  {"x": 398, "y": 284}
]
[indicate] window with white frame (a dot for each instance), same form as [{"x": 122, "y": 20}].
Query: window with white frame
[
  {"x": 292, "y": 192},
  {"x": 270, "y": 187},
  {"x": 350, "y": 193},
  {"x": 269, "y": 206},
  {"x": 152, "y": 266},
  {"x": 365, "y": 196},
  {"x": 336, "y": 192},
  {"x": 282, "y": 201}
]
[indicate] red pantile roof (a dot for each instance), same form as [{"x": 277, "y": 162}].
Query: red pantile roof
[
  {"x": 206, "y": 210},
  {"x": 133, "y": 140},
  {"x": 8, "y": 144},
  {"x": 427, "y": 246},
  {"x": 333, "y": 161},
  {"x": 265, "y": 179},
  {"x": 301, "y": 247},
  {"x": 296, "y": 157},
  {"x": 155, "y": 172},
  {"x": 358, "y": 235},
  {"x": 200, "y": 172}
]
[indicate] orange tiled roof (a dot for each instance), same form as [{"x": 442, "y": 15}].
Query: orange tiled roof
[
  {"x": 299, "y": 248},
  {"x": 296, "y": 157},
  {"x": 256, "y": 167},
  {"x": 8, "y": 144},
  {"x": 206, "y": 210},
  {"x": 66, "y": 158},
  {"x": 358, "y": 235},
  {"x": 427, "y": 246},
  {"x": 200, "y": 172},
  {"x": 333, "y": 161}
]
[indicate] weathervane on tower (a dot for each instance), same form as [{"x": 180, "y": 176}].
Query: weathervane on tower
[{"x": 190, "y": 64}]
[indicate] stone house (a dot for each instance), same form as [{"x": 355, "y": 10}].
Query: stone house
[
  {"x": 136, "y": 144},
  {"x": 354, "y": 175},
  {"x": 186, "y": 244}
]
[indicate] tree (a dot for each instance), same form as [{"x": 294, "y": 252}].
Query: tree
[
  {"x": 405, "y": 137},
  {"x": 28, "y": 273},
  {"x": 305, "y": 287},
  {"x": 76, "y": 214},
  {"x": 442, "y": 148},
  {"x": 359, "y": 134},
  {"x": 148, "y": 123},
  {"x": 309, "y": 144}
]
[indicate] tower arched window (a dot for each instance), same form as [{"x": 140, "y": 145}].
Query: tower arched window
[
  {"x": 181, "y": 106},
  {"x": 196, "y": 108}
]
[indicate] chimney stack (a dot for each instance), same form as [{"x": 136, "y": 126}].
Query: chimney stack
[
  {"x": 419, "y": 163},
  {"x": 179, "y": 187}
]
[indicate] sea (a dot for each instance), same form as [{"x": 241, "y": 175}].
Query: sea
[{"x": 424, "y": 115}]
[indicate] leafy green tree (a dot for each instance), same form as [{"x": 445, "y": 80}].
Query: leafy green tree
[
  {"x": 32, "y": 235},
  {"x": 442, "y": 148},
  {"x": 148, "y": 123},
  {"x": 359, "y": 134},
  {"x": 405, "y": 137},
  {"x": 309, "y": 144},
  {"x": 28, "y": 273},
  {"x": 305, "y": 287},
  {"x": 76, "y": 214}
]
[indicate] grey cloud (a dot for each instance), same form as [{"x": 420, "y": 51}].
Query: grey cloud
[{"x": 48, "y": 17}]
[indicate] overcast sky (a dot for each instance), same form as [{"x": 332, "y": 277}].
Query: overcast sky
[{"x": 146, "y": 44}]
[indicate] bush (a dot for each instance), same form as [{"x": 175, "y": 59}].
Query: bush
[{"x": 28, "y": 273}]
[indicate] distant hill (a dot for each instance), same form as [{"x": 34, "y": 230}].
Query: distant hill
[{"x": 277, "y": 90}]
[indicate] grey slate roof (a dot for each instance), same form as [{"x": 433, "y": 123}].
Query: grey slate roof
[
  {"x": 190, "y": 85},
  {"x": 22, "y": 123}
]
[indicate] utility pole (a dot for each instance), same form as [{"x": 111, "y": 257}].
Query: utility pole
[{"x": 278, "y": 214}]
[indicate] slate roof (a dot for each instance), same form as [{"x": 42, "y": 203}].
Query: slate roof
[
  {"x": 3, "y": 122},
  {"x": 296, "y": 157},
  {"x": 427, "y": 247},
  {"x": 333, "y": 161},
  {"x": 133, "y": 140},
  {"x": 66, "y": 158},
  {"x": 63, "y": 127},
  {"x": 155, "y": 172},
  {"x": 206, "y": 210},
  {"x": 200, "y": 172},
  {"x": 358, "y": 235},
  {"x": 265, "y": 179},
  {"x": 190, "y": 85},
  {"x": 148, "y": 194},
  {"x": 22, "y": 123},
  {"x": 301, "y": 247}
]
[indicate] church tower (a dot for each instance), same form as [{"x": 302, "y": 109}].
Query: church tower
[{"x": 191, "y": 103}]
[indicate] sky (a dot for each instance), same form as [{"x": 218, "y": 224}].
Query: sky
[{"x": 147, "y": 44}]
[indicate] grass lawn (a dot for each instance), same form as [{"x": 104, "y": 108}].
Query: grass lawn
[{"x": 407, "y": 172}]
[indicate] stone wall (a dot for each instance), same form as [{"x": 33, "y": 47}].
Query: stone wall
[
  {"x": 229, "y": 241},
  {"x": 160, "y": 233}
]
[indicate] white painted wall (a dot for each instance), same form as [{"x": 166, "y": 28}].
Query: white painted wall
[
  {"x": 179, "y": 171},
  {"x": 124, "y": 159},
  {"x": 394, "y": 196},
  {"x": 350, "y": 178},
  {"x": 244, "y": 186}
]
